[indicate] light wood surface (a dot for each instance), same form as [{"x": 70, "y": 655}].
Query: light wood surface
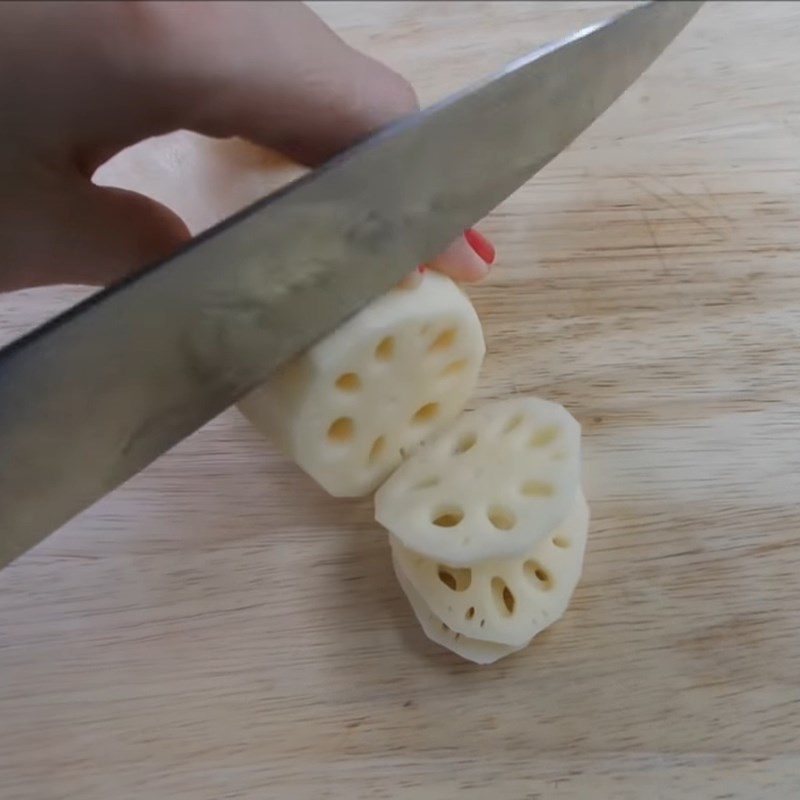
[{"x": 219, "y": 628}]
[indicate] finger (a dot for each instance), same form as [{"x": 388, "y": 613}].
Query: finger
[
  {"x": 467, "y": 259},
  {"x": 91, "y": 235},
  {"x": 295, "y": 86},
  {"x": 270, "y": 72}
]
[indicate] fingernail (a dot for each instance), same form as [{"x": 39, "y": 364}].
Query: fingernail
[
  {"x": 480, "y": 244},
  {"x": 421, "y": 268}
]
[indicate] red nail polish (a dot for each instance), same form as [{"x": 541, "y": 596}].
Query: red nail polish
[
  {"x": 480, "y": 244},
  {"x": 421, "y": 268}
]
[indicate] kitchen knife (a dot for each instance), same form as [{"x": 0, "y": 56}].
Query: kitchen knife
[{"x": 97, "y": 393}]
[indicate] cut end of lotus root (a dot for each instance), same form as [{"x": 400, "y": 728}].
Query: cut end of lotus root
[
  {"x": 505, "y": 601},
  {"x": 490, "y": 485},
  {"x": 475, "y": 650},
  {"x": 393, "y": 375}
]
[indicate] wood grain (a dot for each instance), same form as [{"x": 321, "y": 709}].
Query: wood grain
[{"x": 218, "y": 628}]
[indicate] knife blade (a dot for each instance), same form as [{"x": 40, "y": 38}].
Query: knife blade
[{"x": 94, "y": 395}]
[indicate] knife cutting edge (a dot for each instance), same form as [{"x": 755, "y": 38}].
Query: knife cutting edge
[{"x": 97, "y": 393}]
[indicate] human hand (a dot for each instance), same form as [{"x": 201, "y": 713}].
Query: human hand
[{"x": 79, "y": 82}]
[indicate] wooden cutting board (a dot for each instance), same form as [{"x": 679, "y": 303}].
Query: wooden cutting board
[{"x": 219, "y": 628}]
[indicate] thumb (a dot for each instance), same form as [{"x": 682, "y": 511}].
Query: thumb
[
  {"x": 100, "y": 235},
  {"x": 117, "y": 231},
  {"x": 136, "y": 231}
]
